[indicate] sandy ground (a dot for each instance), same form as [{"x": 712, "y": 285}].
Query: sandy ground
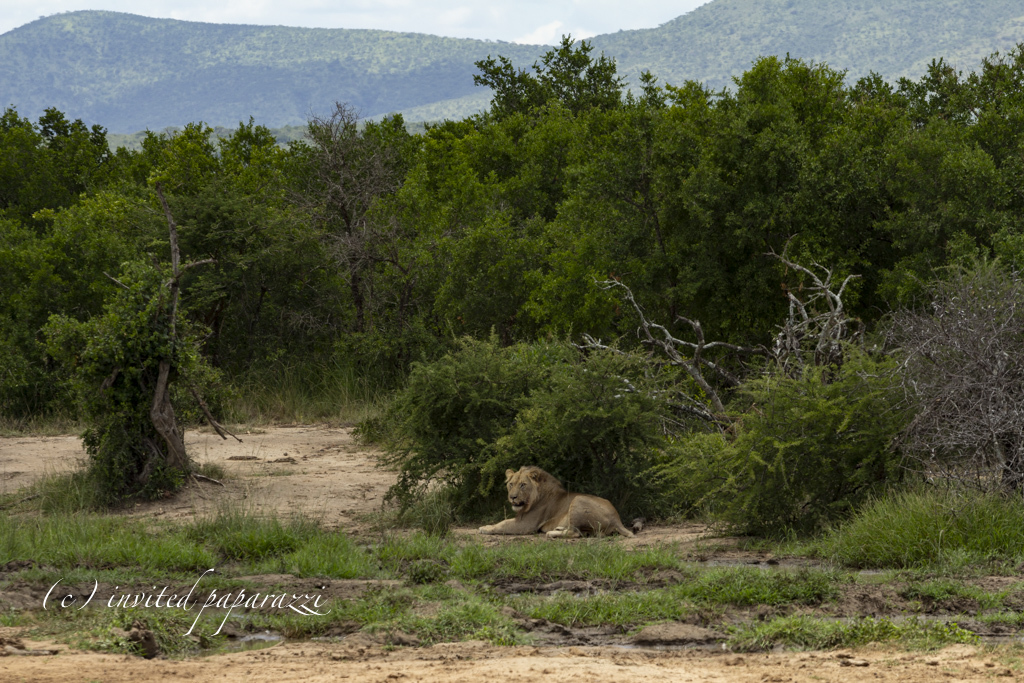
[
  {"x": 324, "y": 473},
  {"x": 472, "y": 662},
  {"x": 317, "y": 471}
]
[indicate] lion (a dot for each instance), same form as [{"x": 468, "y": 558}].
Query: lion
[{"x": 541, "y": 503}]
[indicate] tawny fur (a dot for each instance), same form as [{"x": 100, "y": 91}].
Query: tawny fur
[{"x": 542, "y": 504}]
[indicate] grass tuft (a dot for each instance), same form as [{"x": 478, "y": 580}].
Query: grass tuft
[
  {"x": 804, "y": 632},
  {"x": 931, "y": 528},
  {"x": 239, "y": 536}
]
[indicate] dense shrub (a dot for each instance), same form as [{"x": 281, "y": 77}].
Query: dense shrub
[
  {"x": 113, "y": 361},
  {"x": 805, "y": 450},
  {"x": 590, "y": 420}
]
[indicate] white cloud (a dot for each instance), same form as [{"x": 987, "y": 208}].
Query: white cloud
[{"x": 548, "y": 34}]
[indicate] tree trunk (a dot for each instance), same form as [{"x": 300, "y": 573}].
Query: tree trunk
[{"x": 162, "y": 415}]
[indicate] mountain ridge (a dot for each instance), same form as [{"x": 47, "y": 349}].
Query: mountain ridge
[{"x": 129, "y": 72}]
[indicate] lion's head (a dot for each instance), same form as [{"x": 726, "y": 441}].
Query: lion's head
[{"x": 529, "y": 485}]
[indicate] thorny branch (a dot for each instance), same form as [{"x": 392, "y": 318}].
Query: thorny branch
[{"x": 963, "y": 371}]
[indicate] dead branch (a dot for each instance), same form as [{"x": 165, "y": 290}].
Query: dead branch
[
  {"x": 658, "y": 337},
  {"x": 203, "y": 477},
  {"x": 209, "y": 418},
  {"x": 116, "y": 281},
  {"x": 962, "y": 371},
  {"x": 202, "y": 262},
  {"x": 819, "y": 321}
]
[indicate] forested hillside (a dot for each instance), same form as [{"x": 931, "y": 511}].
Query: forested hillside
[
  {"x": 130, "y": 73},
  {"x": 897, "y": 38}
]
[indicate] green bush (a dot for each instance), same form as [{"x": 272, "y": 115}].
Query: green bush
[
  {"x": 590, "y": 420},
  {"x": 806, "y": 451}
]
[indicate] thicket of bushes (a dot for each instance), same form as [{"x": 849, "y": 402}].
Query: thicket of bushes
[
  {"x": 800, "y": 453},
  {"x": 390, "y": 257},
  {"x": 592, "y": 420}
]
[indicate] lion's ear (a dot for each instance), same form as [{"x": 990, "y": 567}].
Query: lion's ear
[
  {"x": 509, "y": 474},
  {"x": 534, "y": 476}
]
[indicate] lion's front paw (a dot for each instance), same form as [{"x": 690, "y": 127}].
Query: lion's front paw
[{"x": 486, "y": 530}]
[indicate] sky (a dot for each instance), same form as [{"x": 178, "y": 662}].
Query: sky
[{"x": 520, "y": 21}]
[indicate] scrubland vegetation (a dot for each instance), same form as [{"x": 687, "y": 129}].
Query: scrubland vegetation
[{"x": 789, "y": 308}]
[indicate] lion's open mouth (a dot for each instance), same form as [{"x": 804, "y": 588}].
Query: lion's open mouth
[{"x": 516, "y": 507}]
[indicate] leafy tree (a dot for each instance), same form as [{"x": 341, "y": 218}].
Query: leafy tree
[
  {"x": 465, "y": 418},
  {"x": 807, "y": 450},
  {"x": 130, "y": 366},
  {"x": 567, "y": 74},
  {"x": 270, "y": 288},
  {"x": 62, "y": 271},
  {"x": 49, "y": 164}
]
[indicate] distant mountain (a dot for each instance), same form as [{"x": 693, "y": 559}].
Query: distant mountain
[
  {"x": 129, "y": 72},
  {"x": 894, "y": 38}
]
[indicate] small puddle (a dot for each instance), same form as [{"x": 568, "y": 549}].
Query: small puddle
[
  {"x": 252, "y": 641},
  {"x": 786, "y": 563},
  {"x": 709, "y": 647},
  {"x": 1008, "y": 639}
]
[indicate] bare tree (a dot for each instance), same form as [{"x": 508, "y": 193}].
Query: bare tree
[
  {"x": 814, "y": 333},
  {"x": 350, "y": 167},
  {"x": 963, "y": 368},
  {"x": 690, "y": 356},
  {"x": 817, "y": 325}
]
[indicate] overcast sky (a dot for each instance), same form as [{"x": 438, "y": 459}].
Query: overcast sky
[{"x": 523, "y": 21}]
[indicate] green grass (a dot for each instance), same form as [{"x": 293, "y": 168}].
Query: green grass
[
  {"x": 72, "y": 492},
  {"x": 617, "y": 609},
  {"x": 531, "y": 560},
  {"x": 745, "y": 586},
  {"x": 937, "y": 590},
  {"x": 1011, "y": 618},
  {"x": 50, "y": 424},
  {"x": 453, "y": 615},
  {"x": 304, "y": 394},
  {"x": 57, "y": 494},
  {"x": 931, "y": 528},
  {"x": 704, "y": 591},
  {"x": 810, "y": 633},
  {"x": 133, "y": 553},
  {"x": 66, "y": 541},
  {"x": 237, "y": 536}
]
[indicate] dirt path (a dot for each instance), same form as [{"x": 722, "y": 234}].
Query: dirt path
[
  {"x": 472, "y": 662},
  {"x": 324, "y": 473}
]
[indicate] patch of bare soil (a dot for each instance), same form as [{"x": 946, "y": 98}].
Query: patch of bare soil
[
  {"x": 317, "y": 471},
  {"x": 324, "y": 473},
  {"x": 357, "y": 659}
]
